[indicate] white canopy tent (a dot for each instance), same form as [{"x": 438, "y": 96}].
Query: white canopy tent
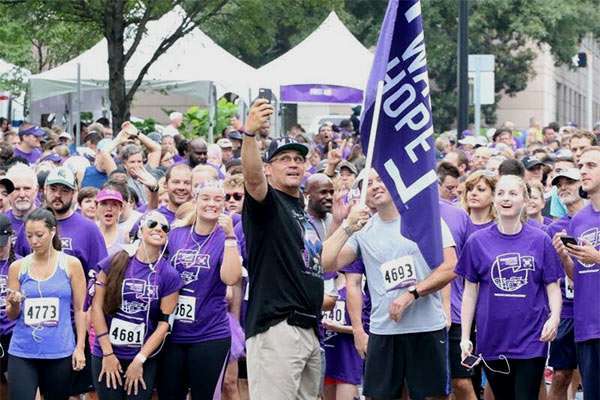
[
  {"x": 330, "y": 65},
  {"x": 194, "y": 66},
  {"x": 12, "y": 104}
]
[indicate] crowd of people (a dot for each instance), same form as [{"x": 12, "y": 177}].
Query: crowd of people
[{"x": 152, "y": 266}]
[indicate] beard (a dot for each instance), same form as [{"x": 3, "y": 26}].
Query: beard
[{"x": 62, "y": 209}]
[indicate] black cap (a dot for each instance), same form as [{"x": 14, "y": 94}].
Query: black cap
[
  {"x": 282, "y": 144},
  {"x": 5, "y": 230},
  {"x": 7, "y": 183},
  {"x": 234, "y": 135},
  {"x": 530, "y": 162}
]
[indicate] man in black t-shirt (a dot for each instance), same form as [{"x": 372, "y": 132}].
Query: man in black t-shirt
[{"x": 283, "y": 261}]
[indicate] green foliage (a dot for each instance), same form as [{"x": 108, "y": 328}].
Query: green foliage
[
  {"x": 146, "y": 126},
  {"x": 196, "y": 120}
]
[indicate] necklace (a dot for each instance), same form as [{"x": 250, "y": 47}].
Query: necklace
[{"x": 191, "y": 236}]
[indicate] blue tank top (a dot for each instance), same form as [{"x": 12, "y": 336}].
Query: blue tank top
[{"x": 44, "y": 329}]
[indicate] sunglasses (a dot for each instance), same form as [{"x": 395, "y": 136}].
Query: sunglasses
[
  {"x": 153, "y": 224},
  {"x": 236, "y": 196}
]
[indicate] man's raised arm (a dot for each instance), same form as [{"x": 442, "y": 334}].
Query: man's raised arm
[{"x": 252, "y": 165}]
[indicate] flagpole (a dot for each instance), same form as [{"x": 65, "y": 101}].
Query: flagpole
[{"x": 371, "y": 146}]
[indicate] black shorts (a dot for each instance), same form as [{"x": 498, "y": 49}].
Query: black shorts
[
  {"x": 457, "y": 370},
  {"x": 420, "y": 359},
  {"x": 4, "y": 342},
  {"x": 563, "y": 354}
]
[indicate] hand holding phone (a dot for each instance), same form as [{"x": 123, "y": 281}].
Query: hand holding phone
[
  {"x": 568, "y": 240},
  {"x": 266, "y": 94},
  {"x": 470, "y": 361}
]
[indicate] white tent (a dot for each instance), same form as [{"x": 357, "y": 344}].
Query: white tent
[
  {"x": 192, "y": 66},
  {"x": 330, "y": 65},
  {"x": 11, "y": 104}
]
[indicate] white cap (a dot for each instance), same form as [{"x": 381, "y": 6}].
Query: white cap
[{"x": 65, "y": 135}]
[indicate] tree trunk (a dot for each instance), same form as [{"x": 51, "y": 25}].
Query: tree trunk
[{"x": 114, "y": 34}]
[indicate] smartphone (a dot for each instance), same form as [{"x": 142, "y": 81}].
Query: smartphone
[
  {"x": 470, "y": 361},
  {"x": 265, "y": 94},
  {"x": 568, "y": 240}
]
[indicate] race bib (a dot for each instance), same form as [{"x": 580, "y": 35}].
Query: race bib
[
  {"x": 338, "y": 314},
  {"x": 123, "y": 333},
  {"x": 398, "y": 273},
  {"x": 41, "y": 311},
  {"x": 186, "y": 308},
  {"x": 569, "y": 291}
]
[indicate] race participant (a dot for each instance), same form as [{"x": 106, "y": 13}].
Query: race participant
[
  {"x": 344, "y": 366},
  {"x": 6, "y": 188},
  {"x": 204, "y": 251},
  {"x": 535, "y": 205},
  {"x": 458, "y": 223},
  {"x": 109, "y": 203},
  {"x": 580, "y": 141},
  {"x": 29, "y": 148},
  {"x": 511, "y": 276},
  {"x": 563, "y": 354},
  {"x": 79, "y": 237},
  {"x": 22, "y": 198},
  {"x": 136, "y": 293},
  {"x": 319, "y": 194},
  {"x": 286, "y": 284},
  {"x": 86, "y": 202},
  {"x": 408, "y": 324},
  {"x": 477, "y": 200},
  {"x": 581, "y": 263},
  {"x": 234, "y": 193},
  {"x": 43, "y": 289},
  {"x": 7, "y": 257},
  {"x": 448, "y": 176}
]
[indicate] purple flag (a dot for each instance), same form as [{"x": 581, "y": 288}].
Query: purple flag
[{"x": 404, "y": 153}]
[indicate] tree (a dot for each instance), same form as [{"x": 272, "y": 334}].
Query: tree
[{"x": 123, "y": 24}]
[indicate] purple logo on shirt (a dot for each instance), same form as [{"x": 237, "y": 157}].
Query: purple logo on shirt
[
  {"x": 189, "y": 262},
  {"x": 134, "y": 290},
  {"x": 3, "y": 294},
  {"x": 592, "y": 237},
  {"x": 510, "y": 271}
]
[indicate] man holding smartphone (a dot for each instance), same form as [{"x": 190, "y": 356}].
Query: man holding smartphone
[
  {"x": 283, "y": 262},
  {"x": 582, "y": 264}
]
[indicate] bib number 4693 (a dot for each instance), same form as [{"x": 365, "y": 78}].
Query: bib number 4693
[{"x": 398, "y": 273}]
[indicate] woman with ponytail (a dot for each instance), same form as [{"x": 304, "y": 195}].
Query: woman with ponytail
[
  {"x": 136, "y": 291},
  {"x": 43, "y": 288},
  {"x": 205, "y": 253}
]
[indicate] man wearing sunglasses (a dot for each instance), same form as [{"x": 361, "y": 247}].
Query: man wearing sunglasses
[
  {"x": 234, "y": 193},
  {"x": 283, "y": 261}
]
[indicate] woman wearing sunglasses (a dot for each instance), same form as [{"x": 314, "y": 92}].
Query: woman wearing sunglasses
[
  {"x": 204, "y": 250},
  {"x": 136, "y": 291},
  {"x": 234, "y": 193}
]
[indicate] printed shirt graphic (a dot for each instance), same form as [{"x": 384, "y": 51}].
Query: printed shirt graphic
[
  {"x": 312, "y": 245},
  {"x": 566, "y": 285},
  {"x": 198, "y": 261},
  {"x": 585, "y": 226},
  {"x": 141, "y": 293},
  {"x": 512, "y": 272}
]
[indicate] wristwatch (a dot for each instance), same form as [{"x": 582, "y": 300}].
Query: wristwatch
[{"x": 413, "y": 290}]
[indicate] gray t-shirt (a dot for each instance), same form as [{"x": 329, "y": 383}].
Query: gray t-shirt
[{"x": 392, "y": 263}]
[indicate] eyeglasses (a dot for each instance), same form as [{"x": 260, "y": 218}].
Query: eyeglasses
[
  {"x": 236, "y": 196},
  {"x": 153, "y": 224}
]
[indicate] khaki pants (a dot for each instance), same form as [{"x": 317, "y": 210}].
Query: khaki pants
[{"x": 284, "y": 363}]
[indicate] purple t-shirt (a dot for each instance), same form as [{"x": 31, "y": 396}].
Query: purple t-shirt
[
  {"x": 16, "y": 223},
  {"x": 30, "y": 157},
  {"x": 80, "y": 237},
  {"x": 342, "y": 360},
  {"x": 202, "y": 310},
  {"x": 585, "y": 225},
  {"x": 6, "y": 325},
  {"x": 458, "y": 222},
  {"x": 512, "y": 305},
  {"x": 566, "y": 285},
  {"x": 358, "y": 267},
  {"x": 141, "y": 293},
  {"x": 164, "y": 210}
]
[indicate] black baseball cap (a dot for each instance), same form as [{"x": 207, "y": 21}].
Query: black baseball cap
[
  {"x": 530, "y": 162},
  {"x": 282, "y": 144},
  {"x": 5, "y": 230},
  {"x": 7, "y": 183}
]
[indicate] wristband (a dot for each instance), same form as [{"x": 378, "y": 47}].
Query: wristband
[
  {"x": 231, "y": 237},
  {"x": 249, "y": 134},
  {"x": 101, "y": 335},
  {"x": 231, "y": 243},
  {"x": 140, "y": 357},
  {"x": 108, "y": 355}
]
